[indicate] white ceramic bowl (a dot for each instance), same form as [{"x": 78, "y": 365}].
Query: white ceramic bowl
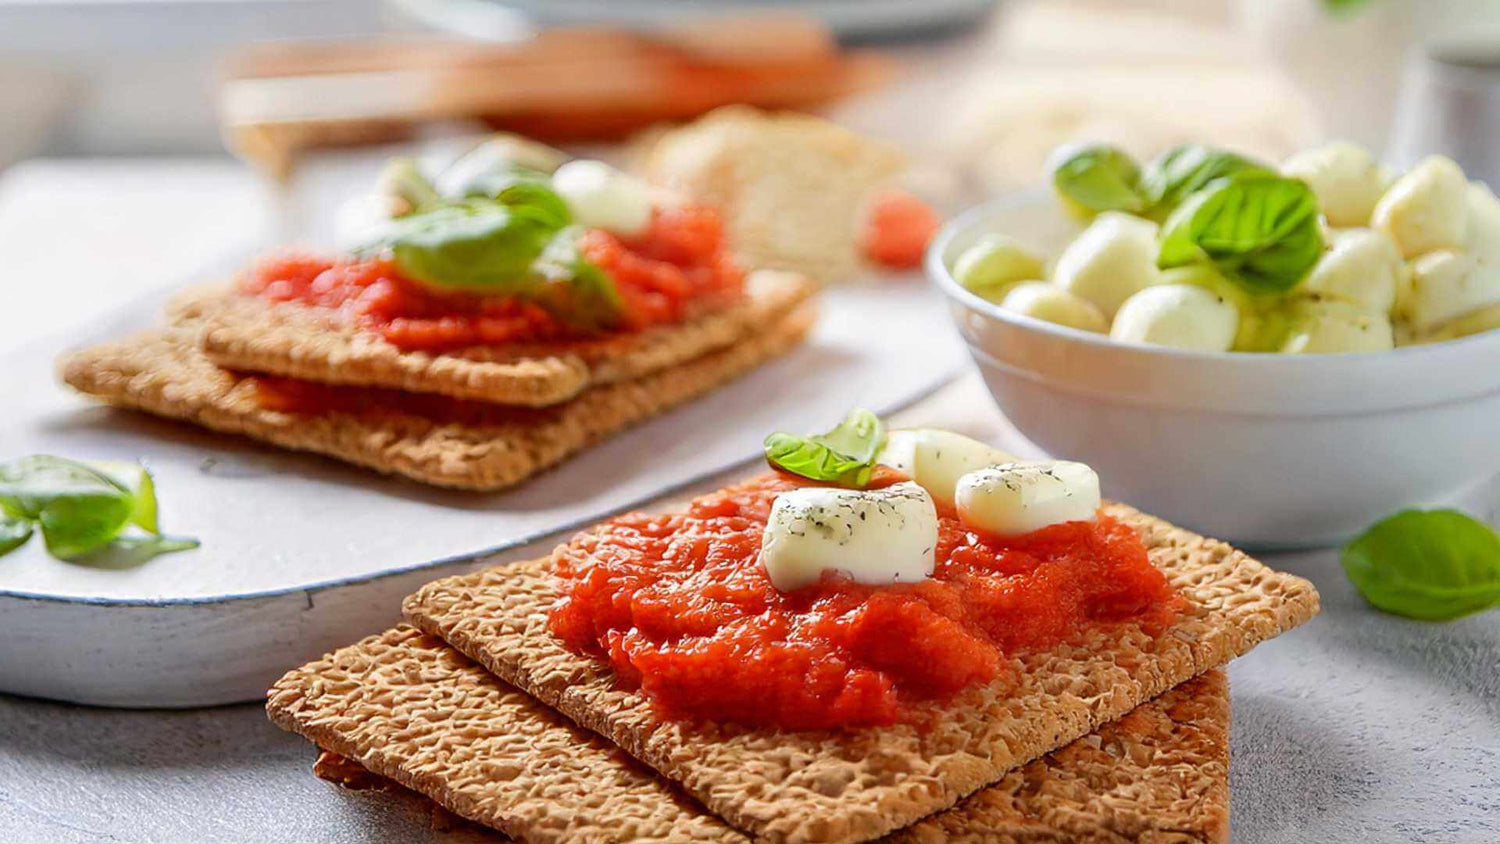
[{"x": 1258, "y": 449}]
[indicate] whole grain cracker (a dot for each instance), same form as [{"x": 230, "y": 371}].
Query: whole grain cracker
[
  {"x": 163, "y": 373},
  {"x": 858, "y": 785},
  {"x": 406, "y": 706},
  {"x": 313, "y": 344},
  {"x": 790, "y": 186}
]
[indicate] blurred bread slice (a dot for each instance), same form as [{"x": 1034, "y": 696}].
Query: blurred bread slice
[{"x": 790, "y": 186}]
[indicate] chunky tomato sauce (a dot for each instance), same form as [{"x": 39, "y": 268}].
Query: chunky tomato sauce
[
  {"x": 681, "y": 608},
  {"x": 679, "y": 263}
]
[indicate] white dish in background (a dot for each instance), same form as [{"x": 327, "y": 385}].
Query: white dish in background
[{"x": 1259, "y": 449}]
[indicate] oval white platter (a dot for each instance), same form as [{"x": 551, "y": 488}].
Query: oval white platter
[{"x": 301, "y": 554}]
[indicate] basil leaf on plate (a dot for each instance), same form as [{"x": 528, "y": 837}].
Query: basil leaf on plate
[
  {"x": 1433, "y": 565},
  {"x": 1178, "y": 173},
  {"x": 1260, "y": 231},
  {"x": 846, "y": 455},
  {"x": 1097, "y": 177},
  {"x": 81, "y": 507},
  {"x": 14, "y": 531}
]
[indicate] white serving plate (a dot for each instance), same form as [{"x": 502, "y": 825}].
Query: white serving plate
[
  {"x": 1259, "y": 449},
  {"x": 302, "y": 554}
]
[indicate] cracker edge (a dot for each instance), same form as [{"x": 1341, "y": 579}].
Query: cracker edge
[
  {"x": 295, "y": 341},
  {"x": 475, "y": 458}
]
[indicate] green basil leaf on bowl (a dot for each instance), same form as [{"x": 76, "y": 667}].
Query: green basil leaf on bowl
[
  {"x": 1433, "y": 565},
  {"x": 1178, "y": 173},
  {"x": 1097, "y": 177},
  {"x": 477, "y": 245},
  {"x": 1258, "y": 230},
  {"x": 845, "y": 455}
]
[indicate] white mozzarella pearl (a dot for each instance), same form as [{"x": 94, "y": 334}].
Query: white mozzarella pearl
[
  {"x": 936, "y": 459},
  {"x": 1017, "y": 498}
]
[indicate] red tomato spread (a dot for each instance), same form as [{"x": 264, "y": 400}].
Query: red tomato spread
[
  {"x": 291, "y": 395},
  {"x": 682, "y": 609},
  {"x": 680, "y": 262}
]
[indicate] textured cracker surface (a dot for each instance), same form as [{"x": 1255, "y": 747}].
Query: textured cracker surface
[
  {"x": 790, "y": 186},
  {"x": 408, "y": 707},
  {"x": 163, "y": 373},
  {"x": 849, "y": 786},
  {"x": 296, "y": 341}
]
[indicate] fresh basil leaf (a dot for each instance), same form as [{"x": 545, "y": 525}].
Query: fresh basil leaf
[
  {"x": 1260, "y": 231},
  {"x": 14, "y": 531},
  {"x": 402, "y": 180},
  {"x": 572, "y": 288},
  {"x": 1098, "y": 177},
  {"x": 1433, "y": 565},
  {"x": 846, "y": 455},
  {"x": 135, "y": 478},
  {"x": 125, "y": 552},
  {"x": 1344, "y": 7},
  {"x": 1178, "y": 173},
  {"x": 78, "y": 507},
  {"x": 482, "y": 169},
  {"x": 480, "y": 245}
]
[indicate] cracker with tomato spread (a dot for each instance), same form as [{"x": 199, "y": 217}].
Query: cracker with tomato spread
[
  {"x": 405, "y": 706},
  {"x": 439, "y": 441},
  {"x": 859, "y": 784},
  {"x": 294, "y": 340}
]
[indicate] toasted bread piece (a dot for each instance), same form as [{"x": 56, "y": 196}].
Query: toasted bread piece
[
  {"x": 860, "y": 784},
  {"x": 791, "y": 187},
  {"x": 163, "y": 373},
  {"x": 313, "y": 344},
  {"x": 407, "y": 707}
]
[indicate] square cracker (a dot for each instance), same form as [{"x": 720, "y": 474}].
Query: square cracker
[
  {"x": 296, "y": 341},
  {"x": 407, "y": 707},
  {"x": 163, "y": 373},
  {"x": 858, "y": 785}
]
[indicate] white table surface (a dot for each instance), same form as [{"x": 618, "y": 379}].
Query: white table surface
[{"x": 1358, "y": 727}]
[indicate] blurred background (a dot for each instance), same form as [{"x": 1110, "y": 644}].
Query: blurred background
[{"x": 215, "y": 124}]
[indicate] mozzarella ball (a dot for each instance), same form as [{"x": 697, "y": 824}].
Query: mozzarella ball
[
  {"x": 1473, "y": 322},
  {"x": 1426, "y": 209},
  {"x": 1051, "y": 303},
  {"x": 1182, "y": 316},
  {"x": 991, "y": 266},
  {"x": 1329, "y": 326},
  {"x": 1445, "y": 285},
  {"x": 1362, "y": 266},
  {"x": 602, "y": 197},
  {"x": 936, "y": 459},
  {"x": 876, "y": 537},
  {"x": 1018, "y": 498},
  {"x": 1112, "y": 259},
  {"x": 1347, "y": 180},
  {"x": 1483, "y": 236}
]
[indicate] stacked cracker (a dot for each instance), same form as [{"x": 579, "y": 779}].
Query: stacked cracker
[
  {"x": 556, "y": 398},
  {"x": 476, "y": 706}
]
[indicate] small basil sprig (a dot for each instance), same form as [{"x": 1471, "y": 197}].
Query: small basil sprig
[
  {"x": 1178, "y": 173},
  {"x": 81, "y": 507},
  {"x": 1097, "y": 177},
  {"x": 1433, "y": 565},
  {"x": 845, "y": 456},
  {"x": 1258, "y": 230}
]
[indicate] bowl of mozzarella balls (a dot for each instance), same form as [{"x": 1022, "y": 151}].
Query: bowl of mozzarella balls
[{"x": 1275, "y": 354}]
